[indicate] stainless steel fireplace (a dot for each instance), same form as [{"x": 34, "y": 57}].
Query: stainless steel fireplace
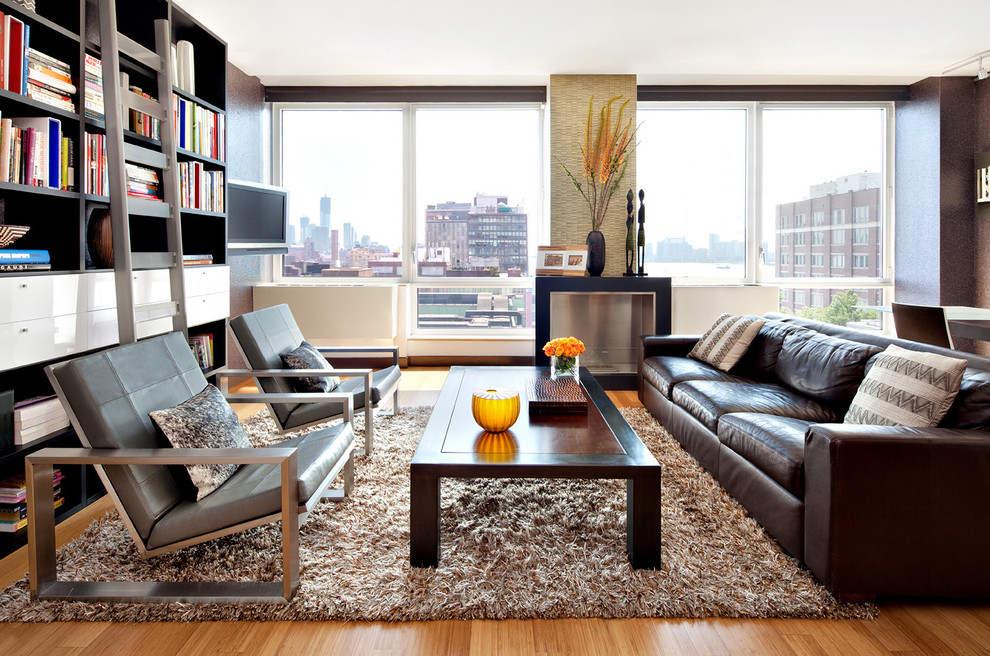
[{"x": 608, "y": 314}]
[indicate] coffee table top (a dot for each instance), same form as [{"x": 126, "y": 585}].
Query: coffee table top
[{"x": 538, "y": 445}]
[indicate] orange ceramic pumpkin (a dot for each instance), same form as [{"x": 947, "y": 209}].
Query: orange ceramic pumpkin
[{"x": 495, "y": 408}]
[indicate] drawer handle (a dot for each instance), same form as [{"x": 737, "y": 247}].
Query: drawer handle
[
  {"x": 23, "y": 285},
  {"x": 24, "y": 330}
]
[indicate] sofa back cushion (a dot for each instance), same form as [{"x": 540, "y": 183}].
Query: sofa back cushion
[
  {"x": 825, "y": 368},
  {"x": 760, "y": 359},
  {"x": 971, "y": 408}
]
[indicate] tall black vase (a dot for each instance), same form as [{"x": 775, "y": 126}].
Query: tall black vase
[{"x": 596, "y": 253}]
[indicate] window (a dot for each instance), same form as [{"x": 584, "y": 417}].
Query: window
[
  {"x": 343, "y": 170},
  {"x": 817, "y": 237},
  {"x": 817, "y": 260},
  {"x": 799, "y": 296},
  {"x": 861, "y": 236},
  {"x": 799, "y": 259},
  {"x": 838, "y": 217},
  {"x": 817, "y": 299},
  {"x": 785, "y": 240},
  {"x": 785, "y": 259},
  {"x": 674, "y": 166},
  {"x": 838, "y": 236},
  {"x": 838, "y": 260},
  {"x": 861, "y": 214},
  {"x": 861, "y": 261},
  {"x": 799, "y": 220},
  {"x": 785, "y": 222},
  {"x": 818, "y": 218},
  {"x": 799, "y": 238}
]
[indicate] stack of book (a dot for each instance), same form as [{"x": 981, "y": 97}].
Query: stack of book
[
  {"x": 198, "y": 129},
  {"x": 202, "y": 348},
  {"x": 13, "y": 501},
  {"x": 34, "y": 152},
  {"x": 35, "y": 418},
  {"x": 13, "y": 259},
  {"x": 97, "y": 181},
  {"x": 142, "y": 182},
  {"x": 93, "y": 96},
  {"x": 141, "y": 123},
  {"x": 49, "y": 80},
  {"x": 200, "y": 189}
]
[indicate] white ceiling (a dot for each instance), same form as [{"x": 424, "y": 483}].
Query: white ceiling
[{"x": 396, "y": 42}]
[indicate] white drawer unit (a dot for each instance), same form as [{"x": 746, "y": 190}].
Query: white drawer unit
[
  {"x": 206, "y": 280},
  {"x": 26, "y": 342},
  {"x": 208, "y": 307},
  {"x": 24, "y": 299}
]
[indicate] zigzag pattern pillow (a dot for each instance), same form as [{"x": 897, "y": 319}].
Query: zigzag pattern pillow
[
  {"x": 907, "y": 388},
  {"x": 726, "y": 341}
]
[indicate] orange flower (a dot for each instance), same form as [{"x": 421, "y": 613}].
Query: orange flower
[{"x": 568, "y": 347}]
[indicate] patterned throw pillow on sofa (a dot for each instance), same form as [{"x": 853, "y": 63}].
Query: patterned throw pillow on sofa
[
  {"x": 726, "y": 341},
  {"x": 204, "y": 421},
  {"x": 306, "y": 356},
  {"x": 907, "y": 388}
]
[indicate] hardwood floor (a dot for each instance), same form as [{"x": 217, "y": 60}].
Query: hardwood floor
[{"x": 905, "y": 627}]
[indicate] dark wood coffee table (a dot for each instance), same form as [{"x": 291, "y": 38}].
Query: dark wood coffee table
[{"x": 599, "y": 444}]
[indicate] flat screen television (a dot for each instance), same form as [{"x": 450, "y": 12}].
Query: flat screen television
[{"x": 257, "y": 218}]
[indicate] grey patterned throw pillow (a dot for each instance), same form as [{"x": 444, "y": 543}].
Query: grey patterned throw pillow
[
  {"x": 726, "y": 341},
  {"x": 907, "y": 388},
  {"x": 306, "y": 356},
  {"x": 203, "y": 421}
]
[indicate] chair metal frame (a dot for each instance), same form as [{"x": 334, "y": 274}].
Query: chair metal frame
[
  {"x": 366, "y": 373},
  {"x": 44, "y": 583}
]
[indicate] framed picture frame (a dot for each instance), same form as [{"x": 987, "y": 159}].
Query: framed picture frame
[{"x": 571, "y": 260}]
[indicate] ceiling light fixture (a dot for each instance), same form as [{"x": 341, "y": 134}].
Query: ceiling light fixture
[{"x": 981, "y": 73}]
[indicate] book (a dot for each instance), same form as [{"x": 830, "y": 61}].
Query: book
[
  {"x": 13, "y": 527},
  {"x": 20, "y": 256},
  {"x": 47, "y": 148},
  {"x": 37, "y": 406},
  {"x": 24, "y": 436},
  {"x": 25, "y": 267},
  {"x": 37, "y": 420},
  {"x": 14, "y": 55},
  {"x": 3, "y": 50}
]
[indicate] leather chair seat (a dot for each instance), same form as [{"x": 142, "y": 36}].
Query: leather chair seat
[
  {"x": 255, "y": 490},
  {"x": 775, "y": 445},
  {"x": 708, "y": 400},
  {"x": 666, "y": 371},
  {"x": 381, "y": 382}
]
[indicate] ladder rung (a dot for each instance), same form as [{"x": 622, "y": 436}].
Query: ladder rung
[
  {"x": 146, "y": 156},
  {"x": 143, "y": 260},
  {"x": 153, "y": 311},
  {"x": 147, "y": 207},
  {"x": 136, "y": 51},
  {"x": 131, "y": 100}
]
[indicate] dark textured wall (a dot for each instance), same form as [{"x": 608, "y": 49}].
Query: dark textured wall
[
  {"x": 248, "y": 158},
  {"x": 934, "y": 202},
  {"x": 982, "y": 144}
]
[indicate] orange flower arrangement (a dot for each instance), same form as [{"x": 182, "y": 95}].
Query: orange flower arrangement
[{"x": 566, "y": 347}]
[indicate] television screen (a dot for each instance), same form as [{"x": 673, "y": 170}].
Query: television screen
[{"x": 256, "y": 217}]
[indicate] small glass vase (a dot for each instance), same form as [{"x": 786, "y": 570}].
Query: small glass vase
[{"x": 562, "y": 366}]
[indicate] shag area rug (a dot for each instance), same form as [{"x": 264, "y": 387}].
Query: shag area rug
[{"x": 511, "y": 548}]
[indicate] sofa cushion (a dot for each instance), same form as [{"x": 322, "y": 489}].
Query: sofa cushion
[
  {"x": 775, "y": 445},
  {"x": 907, "y": 388},
  {"x": 202, "y": 422},
  {"x": 306, "y": 356},
  {"x": 825, "y": 368},
  {"x": 726, "y": 341},
  {"x": 665, "y": 371},
  {"x": 760, "y": 359},
  {"x": 708, "y": 400},
  {"x": 971, "y": 407}
]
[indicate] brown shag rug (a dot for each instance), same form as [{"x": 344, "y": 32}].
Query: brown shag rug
[{"x": 512, "y": 548}]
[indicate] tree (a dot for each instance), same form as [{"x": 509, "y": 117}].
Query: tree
[{"x": 841, "y": 311}]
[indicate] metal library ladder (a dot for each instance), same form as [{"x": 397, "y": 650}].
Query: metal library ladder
[{"x": 119, "y": 153}]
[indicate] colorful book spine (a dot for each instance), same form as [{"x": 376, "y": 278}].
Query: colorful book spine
[{"x": 16, "y": 256}]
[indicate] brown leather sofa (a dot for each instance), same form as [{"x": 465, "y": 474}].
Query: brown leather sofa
[{"x": 869, "y": 509}]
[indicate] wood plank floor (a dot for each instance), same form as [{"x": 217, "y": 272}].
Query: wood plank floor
[{"x": 905, "y": 627}]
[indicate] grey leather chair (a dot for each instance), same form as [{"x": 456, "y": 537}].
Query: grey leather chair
[
  {"x": 264, "y": 334},
  {"x": 108, "y": 396},
  {"x": 922, "y": 323}
]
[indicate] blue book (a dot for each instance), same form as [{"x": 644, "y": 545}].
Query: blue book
[
  {"x": 27, "y": 44},
  {"x": 15, "y": 256}
]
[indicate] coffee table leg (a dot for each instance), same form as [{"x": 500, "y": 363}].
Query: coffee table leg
[
  {"x": 643, "y": 522},
  {"x": 424, "y": 519}
]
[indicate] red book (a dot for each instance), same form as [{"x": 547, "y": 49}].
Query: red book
[
  {"x": 3, "y": 49},
  {"x": 13, "y": 61}
]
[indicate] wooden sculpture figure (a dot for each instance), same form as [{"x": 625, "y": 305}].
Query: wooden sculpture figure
[
  {"x": 641, "y": 238},
  {"x": 630, "y": 234}
]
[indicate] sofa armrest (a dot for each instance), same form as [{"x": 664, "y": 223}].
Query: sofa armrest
[
  {"x": 897, "y": 510},
  {"x": 652, "y": 345}
]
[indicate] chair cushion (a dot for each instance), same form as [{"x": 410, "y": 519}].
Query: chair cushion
[
  {"x": 775, "y": 445},
  {"x": 204, "y": 421},
  {"x": 665, "y": 371},
  {"x": 255, "y": 490},
  {"x": 907, "y": 388},
  {"x": 825, "y": 368},
  {"x": 726, "y": 341},
  {"x": 708, "y": 400},
  {"x": 382, "y": 382},
  {"x": 306, "y": 356}
]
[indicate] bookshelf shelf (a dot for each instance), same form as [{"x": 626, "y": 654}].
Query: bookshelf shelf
[{"x": 68, "y": 31}]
